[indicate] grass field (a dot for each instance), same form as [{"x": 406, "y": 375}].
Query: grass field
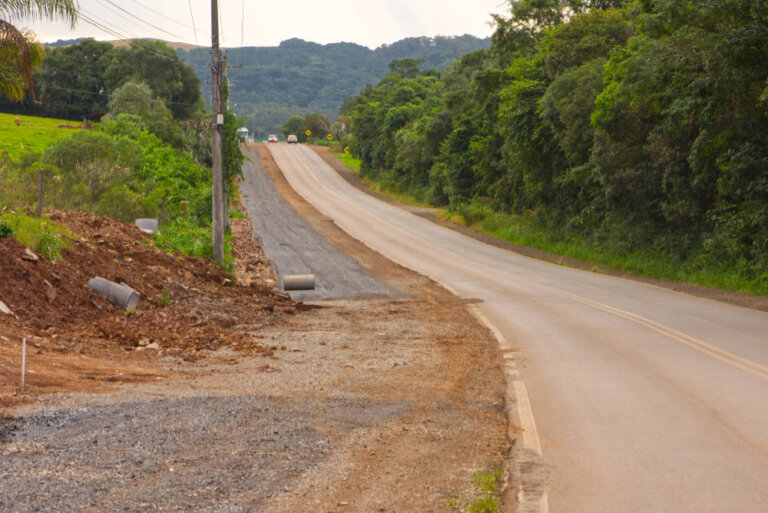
[{"x": 32, "y": 134}]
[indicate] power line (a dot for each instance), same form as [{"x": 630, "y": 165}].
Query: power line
[
  {"x": 104, "y": 26},
  {"x": 192, "y": 15},
  {"x": 100, "y": 24},
  {"x": 85, "y": 91},
  {"x": 164, "y": 16},
  {"x": 242, "y": 30},
  {"x": 105, "y": 22},
  {"x": 145, "y": 22},
  {"x": 221, "y": 25}
]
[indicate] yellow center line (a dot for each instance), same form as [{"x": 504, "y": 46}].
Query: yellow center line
[{"x": 734, "y": 360}]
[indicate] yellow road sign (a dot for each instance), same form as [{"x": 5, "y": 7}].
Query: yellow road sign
[
  {"x": 308, "y": 133},
  {"x": 329, "y": 137}
]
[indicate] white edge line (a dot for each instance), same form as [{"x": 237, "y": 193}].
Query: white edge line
[
  {"x": 515, "y": 386},
  {"x": 530, "y": 434}
]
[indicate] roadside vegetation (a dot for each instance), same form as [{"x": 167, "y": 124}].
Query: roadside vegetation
[
  {"x": 626, "y": 133},
  {"x": 485, "y": 494},
  {"x": 149, "y": 155},
  {"x": 353, "y": 163},
  {"x": 41, "y": 235}
]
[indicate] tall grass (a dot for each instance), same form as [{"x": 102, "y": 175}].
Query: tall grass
[
  {"x": 42, "y": 235},
  {"x": 193, "y": 240}
]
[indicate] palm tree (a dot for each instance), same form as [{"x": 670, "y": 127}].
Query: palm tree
[{"x": 18, "y": 50}]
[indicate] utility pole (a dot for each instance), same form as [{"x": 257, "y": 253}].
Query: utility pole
[
  {"x": 218, "y": 122},
  {"x": 225, "y": 180}
]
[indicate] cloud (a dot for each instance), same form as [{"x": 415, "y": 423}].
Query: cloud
[{"x": 368, "y": 22}]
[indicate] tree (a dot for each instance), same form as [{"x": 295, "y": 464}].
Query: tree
[
  {"x": 138, "y": 100},
  {"x": 18, "y": 50},
  {"x": 293, "y": 126},
  {"x": 70, "y": 82},
  {"x": 157, "y": 65}
]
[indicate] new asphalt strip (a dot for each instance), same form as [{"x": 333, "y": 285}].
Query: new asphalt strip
[{"x": 296, "y": 248}]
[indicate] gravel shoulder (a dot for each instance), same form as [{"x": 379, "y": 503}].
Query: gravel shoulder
[{"x": 374, "y": 404}]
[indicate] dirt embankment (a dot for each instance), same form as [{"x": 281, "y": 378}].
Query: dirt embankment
[
  {"x": 78, "y": 339},
  {"x": 386, "y": 404}
]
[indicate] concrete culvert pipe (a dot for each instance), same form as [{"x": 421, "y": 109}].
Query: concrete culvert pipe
[
  {"x": 299, "y": 282},
  {"x": 119, "y": 294},
  {"x": 147, "y": 225}
]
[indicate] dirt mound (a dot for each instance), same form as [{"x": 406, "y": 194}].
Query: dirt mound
[{"x": 187, "y": 304}]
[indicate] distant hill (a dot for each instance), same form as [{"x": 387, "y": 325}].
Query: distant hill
[
  {"x": 121, "y": 42},
  {"x": 66, "y": 42},
  {"x": 172, "y": 44},
  {"x": 297, "y": 76}
]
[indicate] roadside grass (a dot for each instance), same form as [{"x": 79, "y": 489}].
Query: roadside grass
[
  {"x": 192, "y": 240},
  {"x": 383, "y": 189},
  {"x": 42, "y": 235},
  {"x": 391, "y": 193},
  {"x": 483, "y": 496},
  {"x": 487, "y": 491},
  {"x": 34, "y": 134},
  {"x": 349, "y": 161},
  {"x": 524, "y": 230}
]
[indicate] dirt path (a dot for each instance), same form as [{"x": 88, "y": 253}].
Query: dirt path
[{"x": 386, "y": 404}]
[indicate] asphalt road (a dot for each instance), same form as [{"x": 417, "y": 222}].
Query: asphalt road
[
  {"x": 295, "y": 247},
  {"x": 644, "y": 399}
]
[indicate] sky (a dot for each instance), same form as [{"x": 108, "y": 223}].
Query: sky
[{"x": 266, "y": 23}]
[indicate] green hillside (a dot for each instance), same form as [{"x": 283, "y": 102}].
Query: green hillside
[
  {"x": 298, "y": 76},
  {"x": 32, "y": 133}
]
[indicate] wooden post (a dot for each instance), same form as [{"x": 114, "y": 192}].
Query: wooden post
[
  {"x": 24, "y": 365},
  {"x": 40, "y": 193}
]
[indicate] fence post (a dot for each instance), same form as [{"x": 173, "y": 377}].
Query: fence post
[{"x": 40, "y": 193}]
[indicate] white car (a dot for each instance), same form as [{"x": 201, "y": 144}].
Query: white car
[
  {"x": 292, "y": 139},
  {"x": 272, "y": 138}
]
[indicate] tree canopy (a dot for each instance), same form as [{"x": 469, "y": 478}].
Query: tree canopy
[{"x": 637, "y": 125}]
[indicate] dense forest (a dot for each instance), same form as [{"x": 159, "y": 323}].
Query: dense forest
[
  {"x": 297, "y": 76},
  {"x": 634, "y": 126}
]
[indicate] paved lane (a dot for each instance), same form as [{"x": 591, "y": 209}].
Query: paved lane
[
  {"x": 294, "y": 247},
  {"x": 645, "y": 399}
]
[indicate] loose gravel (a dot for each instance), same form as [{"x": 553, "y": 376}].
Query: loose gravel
[{"x": 227, "y": 454}]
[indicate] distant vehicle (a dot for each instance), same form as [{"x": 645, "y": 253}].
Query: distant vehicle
[
  {"x": 292, "y": 139},
  {"x": 272, "y": 138},
  {"x": 242, "y": 132}
]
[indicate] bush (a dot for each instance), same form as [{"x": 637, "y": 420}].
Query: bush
[
  {"x": 5, "y": 230},
  {"x": 121, "y": 204},
  {"x": 49, "y": 245}
]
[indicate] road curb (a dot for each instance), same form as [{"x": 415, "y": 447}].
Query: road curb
[{"x": 528, "y": 497}]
